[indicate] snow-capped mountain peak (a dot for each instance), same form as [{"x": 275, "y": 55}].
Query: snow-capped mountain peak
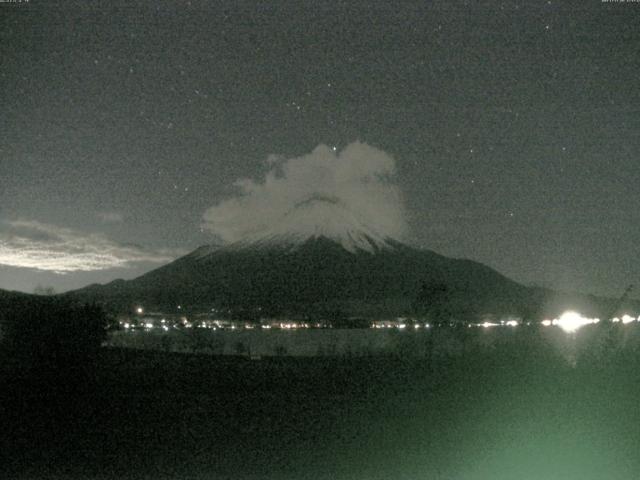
[{"x": 317, "y": 216}]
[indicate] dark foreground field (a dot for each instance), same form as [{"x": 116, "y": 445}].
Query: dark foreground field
[{"x": 519, "y": 411}]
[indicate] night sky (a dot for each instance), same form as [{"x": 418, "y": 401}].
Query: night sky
[{"x": 513, "y": 127}]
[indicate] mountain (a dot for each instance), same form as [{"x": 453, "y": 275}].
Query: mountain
[
  {"x": 349, "y": 272},
  {"x": 322, "y": 259},
  {"x": 9, "y": 298},
  {"x": 320, "y": 216}
]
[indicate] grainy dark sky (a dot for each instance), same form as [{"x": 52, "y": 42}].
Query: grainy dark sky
[{"x": 513, "y": 125}]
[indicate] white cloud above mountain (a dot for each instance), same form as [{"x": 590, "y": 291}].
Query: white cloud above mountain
[{"x": 325, "y": 190}]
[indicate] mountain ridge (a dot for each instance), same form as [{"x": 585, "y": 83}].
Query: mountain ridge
[
  {"x": 316, "y": 276},
  {"x": 318, "y": 272}
]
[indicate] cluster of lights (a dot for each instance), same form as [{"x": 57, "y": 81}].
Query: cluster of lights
[
  {"x": 569, "y": 321},
  {"x": 400, "y": 326},
  {"x": 503, "y": 323},
  {"x": 214, "y": 325},
  {"x": 488, "y": 324},
  {"x": 625, "y": 319},
  {"x": 572, "y": 321},
  {"x": 293, "y": 325},
  {"x": 290, "y": 325}
]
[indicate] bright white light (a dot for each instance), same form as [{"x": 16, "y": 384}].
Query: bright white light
[
  {"x": 488, "y": 324},
  {"x": 512, "y": 323},
  {"x": 572, "y": 321},
  {"x": 627, "y": 319},
  {"x": 148, "y": 325},
  {"x": 126, "y": 325},
  {"x": 546, "y": 323},
  {"x": 140, "y": 310},
  {"x": 401, "y": 326},
  {"x": 615, "y": 320},
  {"x": 165, "y": 328}
]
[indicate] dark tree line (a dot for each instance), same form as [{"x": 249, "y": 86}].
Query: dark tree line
[{"x": 39, "y": 331}]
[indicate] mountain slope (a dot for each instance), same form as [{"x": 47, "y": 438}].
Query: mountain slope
[
  {"x": 10, "y": 298},
  {"x": 293, "y": 275}
]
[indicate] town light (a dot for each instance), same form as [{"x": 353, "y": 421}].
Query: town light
[
  {"x": 627, "y": 319},
  {"x": 488, "y": 324},
  {"x": 572, "y": 321}
]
